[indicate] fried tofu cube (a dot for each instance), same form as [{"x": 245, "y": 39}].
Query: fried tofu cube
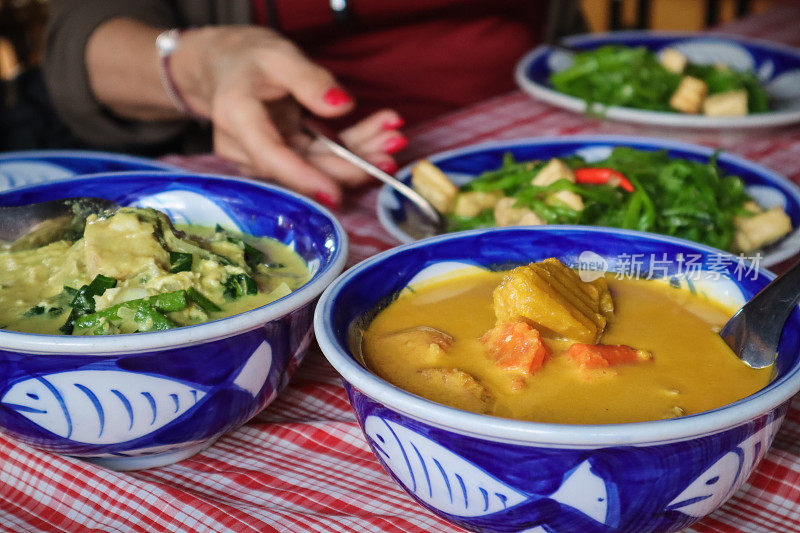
[
  {"x": 455, "y": 388},
  {"x": 727, "y": 104},
  {"x": 567, "y": 198},
  {"x": 688, "y": 97},
  {"x": 752, "y": 207},
  {"x": 506, "y": 214},
  {"x": 553, "y": 171},
  {"x": 552, "y": 298},
  {"x": 422, "y": 343},
  {"x": 531, "y": 219},
  {"x": 672, "y": 60},
  {"x": 761, "y": 229},
  {"x": 470, "y": 204},
  {"x": 434, "y": 186}
]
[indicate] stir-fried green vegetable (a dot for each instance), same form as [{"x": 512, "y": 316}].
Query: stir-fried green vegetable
[
  {"x": 688, "y": 199},
  {"x": 617, "y": 75}
]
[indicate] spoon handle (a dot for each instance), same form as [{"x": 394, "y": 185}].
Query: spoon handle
[
  {"x": 777, "y": 300},
  {"x": 755, "y": 331},
  {"x": 24, "y": 224},
  {"x": 423, "y": 205}
]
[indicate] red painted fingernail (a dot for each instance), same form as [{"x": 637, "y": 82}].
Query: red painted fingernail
[
  {"x": 326, "y": 200},
  {"x": 395, "y": 144},
  {"x": 337, "y": 96},
  {"x": 390, "y": 167},
  {"x": 394, "y": 124}
]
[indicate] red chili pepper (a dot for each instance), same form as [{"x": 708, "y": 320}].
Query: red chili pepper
[{"x": 603, "y": 176}]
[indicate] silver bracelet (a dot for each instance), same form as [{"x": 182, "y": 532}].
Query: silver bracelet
[
  {"x": 166, "y": 44},
  {"x": 341, "y": 10}
]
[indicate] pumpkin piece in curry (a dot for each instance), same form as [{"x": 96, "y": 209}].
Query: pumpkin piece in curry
[{"x": 552, "y": 298}]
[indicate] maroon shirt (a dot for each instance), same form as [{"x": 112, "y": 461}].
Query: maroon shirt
[{"x": 419, "y": 57}]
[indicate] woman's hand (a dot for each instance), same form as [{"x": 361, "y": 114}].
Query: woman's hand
[{"x": 251, "y": 83}]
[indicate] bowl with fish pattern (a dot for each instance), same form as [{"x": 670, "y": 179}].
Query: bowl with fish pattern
[
  {"x": 487, "y": 473},
  {"x": 148, "y": 399},
  {"x": 27, "y": 167}
]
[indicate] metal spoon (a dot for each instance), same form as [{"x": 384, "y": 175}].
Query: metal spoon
[
  {"x": 434, "y": 218},
  {"x": 29, "y": 226},
  {"x": 754, "y": 332}
]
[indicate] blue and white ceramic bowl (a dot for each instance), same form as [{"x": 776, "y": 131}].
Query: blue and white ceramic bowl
[
  {"x": 149, "y": 399},
  {"x": 777, "y": 67},
  {"x": 18, "y": 169},
  {"x": 486, "y": 473},
  {"x": 768, "y": 188}
]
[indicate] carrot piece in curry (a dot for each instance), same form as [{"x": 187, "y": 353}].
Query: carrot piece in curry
[
  {"x": 516, "y": 346},
  {"x": 593, "y": 356}
]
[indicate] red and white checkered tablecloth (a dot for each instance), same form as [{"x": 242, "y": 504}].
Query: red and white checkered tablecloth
[{"x": 302, "y": 464}]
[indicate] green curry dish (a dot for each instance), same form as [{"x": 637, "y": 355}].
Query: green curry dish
[
  {"x": 133, "y": 316},
  {"x": 674, "y": 196},
  {"x": 180, "y": 262},
  {"x": 618, "y": 75},
  {"x": 240, "y": 285},
  {"x": 204, "y": 303},
  {"x": 39, "y": 310},
  {"x": 252, "y": 255},
  {"x": 55, "y": 306},
  {"x": 83, "y": 303},
  {"x": 136, "y": 273},
  {"x": 36, "y": 310}
]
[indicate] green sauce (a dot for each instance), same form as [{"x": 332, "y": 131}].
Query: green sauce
[{"x": 133, "y": 272}]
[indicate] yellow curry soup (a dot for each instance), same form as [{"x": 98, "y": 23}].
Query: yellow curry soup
[{"x": 445, "y": 339}]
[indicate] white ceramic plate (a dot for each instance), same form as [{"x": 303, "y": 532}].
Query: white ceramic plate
[{"x": 777, "y": 66}]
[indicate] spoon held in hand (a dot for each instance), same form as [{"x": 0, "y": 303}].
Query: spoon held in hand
[{"x": 432, "y": 218}]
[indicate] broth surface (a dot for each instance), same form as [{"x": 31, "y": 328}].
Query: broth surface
[{"x": 691, "y": 369}]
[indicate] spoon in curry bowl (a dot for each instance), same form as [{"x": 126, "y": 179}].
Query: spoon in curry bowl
[
  {"x": 433, "y": 223},
  {"x": 754, "y": 332},
  {"x": 29, "y": 226}
]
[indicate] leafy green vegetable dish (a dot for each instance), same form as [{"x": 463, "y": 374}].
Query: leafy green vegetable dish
[
  {"x": 632, "y": 189},
  {"x": 618, "y": 75}
]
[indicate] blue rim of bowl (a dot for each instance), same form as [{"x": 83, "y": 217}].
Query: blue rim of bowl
[
  {"x": 84, "y": 154},
  {"x": 642, "y": 116},
  {"x": 34, "y": 343},
  {"x": 404, "y": 174},
  {"x": 519, "y": 431}
]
